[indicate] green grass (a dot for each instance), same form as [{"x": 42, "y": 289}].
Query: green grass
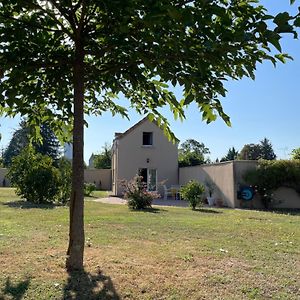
[
  {"x": 98, "y": 194},
  {"x": 166, "y": 253}
]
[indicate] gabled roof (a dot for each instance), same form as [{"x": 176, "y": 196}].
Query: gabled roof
[{"x": 119, "y": 135}]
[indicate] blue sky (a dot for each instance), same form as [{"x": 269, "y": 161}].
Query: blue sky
[{"x": 267, "y": 107}]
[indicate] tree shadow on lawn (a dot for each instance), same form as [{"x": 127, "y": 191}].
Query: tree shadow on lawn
[
  {"x": 152, "y": 210},
  {"x": 22, "y": 204},
  {"x": 83, "y": 285},
  {"x": 14, "y": 291},
  {"x": 208, "y": 211},
  {"x": 285, "y": 211}
]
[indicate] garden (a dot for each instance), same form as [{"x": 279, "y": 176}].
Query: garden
[{"x": 159, "y": 253}]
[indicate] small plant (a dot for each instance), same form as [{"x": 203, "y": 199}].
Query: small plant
[
  {"x": 89, "y": 188},
  {"x": 193, "y": 192},
  {"x": 137, "y": 195}
]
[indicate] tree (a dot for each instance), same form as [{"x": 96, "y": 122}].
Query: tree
[
  {"x": 47, "y": 145},
  {"x": 250, "y": 152},
  {"x": 264, "y": 150},
  {"x": 192, "y": 153},
  {"x": 103, "y": 159},
  {"x": 34, "y": 176},
  {"x": 232, "y": 154},
  {"x": 296, "y": 153},
  {"x": 17, "y": 143},
  {"x": 61, "y": 59}
]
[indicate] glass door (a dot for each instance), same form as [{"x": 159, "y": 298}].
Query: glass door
[
  {"x": 152, "y": 180},
  {"x": 149, "y": 177}
]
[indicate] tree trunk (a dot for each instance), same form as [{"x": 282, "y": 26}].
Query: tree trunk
[{"x": 76, "y": 234}]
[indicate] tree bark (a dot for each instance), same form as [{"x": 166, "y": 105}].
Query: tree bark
[{"x": 76, "y": 231}]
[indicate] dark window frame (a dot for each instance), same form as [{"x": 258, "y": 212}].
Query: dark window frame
[{"x": 147, "y": 138}]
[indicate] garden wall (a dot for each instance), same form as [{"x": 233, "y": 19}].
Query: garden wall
[
  {"x": 101, "y": 177},
  {"x": 222, "y": 174},
  {"x": 228, "y": 178}
]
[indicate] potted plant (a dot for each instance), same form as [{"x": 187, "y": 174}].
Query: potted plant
[{"x": 210, "y": 185}]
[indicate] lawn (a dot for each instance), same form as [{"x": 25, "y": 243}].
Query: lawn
[{"x": 166, "y": 253}]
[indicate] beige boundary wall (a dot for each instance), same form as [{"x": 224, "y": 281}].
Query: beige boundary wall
[
  {"x": 228, "y": 177},
  {"x": 101, "y": 177},
  {"x": 221, "y": 174}
]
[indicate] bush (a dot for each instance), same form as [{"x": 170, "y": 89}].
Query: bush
[
  {"x": 34, "y": 176},
  {"x": 137, "y": 195},
  {"x": 65, "y": 180},
  {"x": 270, "y": 175},
  {"x": 89, "y": 188},
  {"x": 192, "y": 192}
]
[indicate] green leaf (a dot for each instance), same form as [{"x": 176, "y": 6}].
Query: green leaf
[
  {"x": 297, "y": 22},
  {"x": 282, "y": 18},
  {"x": 275, "y": 42}
]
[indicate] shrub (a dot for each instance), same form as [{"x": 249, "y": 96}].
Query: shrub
[
  {"x": 34, "y": 176},
  {"x": 137, "y": 195},
  {"x": 192, "y": 192},
  {"x": 270, "y": 175},
  {"x": 65, "y": 180},
  {"x": 89, "y": 188}
]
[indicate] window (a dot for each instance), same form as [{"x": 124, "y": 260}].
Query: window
[{"x": 147, "y": 138}]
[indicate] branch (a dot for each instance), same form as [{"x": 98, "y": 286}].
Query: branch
[
  {"x": 115, "y": 67},
  {"x": 89, "y": 17},
  {"x": 64, "y": 13},
  {"x": 29, "y": 24},
  {"x": 82, "y": 16},
  {"x": 52, "y": 16}
]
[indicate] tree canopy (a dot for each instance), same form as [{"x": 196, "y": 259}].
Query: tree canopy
[
  {"x": 296, "y": 153},
  {"x": 103, "y": 159},
  {"x": 192, "y": 153},
  {"x": 47, "y": 145},
  {"x": 59, "y": 59},
  {"x": 232, "y": 154},
  {"x": 263, "y": 150}
]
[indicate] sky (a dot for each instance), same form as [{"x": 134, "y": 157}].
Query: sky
[{"x": 268, "y": 107}]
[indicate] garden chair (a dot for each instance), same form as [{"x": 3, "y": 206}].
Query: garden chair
[{"x": 167, "y": 192}]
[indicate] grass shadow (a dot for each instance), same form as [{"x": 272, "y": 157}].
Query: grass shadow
[
  {"x": 83, "y": 285},
  {"x": 15, "y": 291},
  {"x": 208, "y": 211},
  {"x": 285, "y": 211},
  {"x": 22, "y": 204},
  {"x": 152, "y": 210}
]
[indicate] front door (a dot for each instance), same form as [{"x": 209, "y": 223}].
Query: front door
[{"x": 149, "y": 177}]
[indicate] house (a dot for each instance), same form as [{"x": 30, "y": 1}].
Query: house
[
  {"x": 91, "y": 161},
  {"x": 144, "y": 149}
]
